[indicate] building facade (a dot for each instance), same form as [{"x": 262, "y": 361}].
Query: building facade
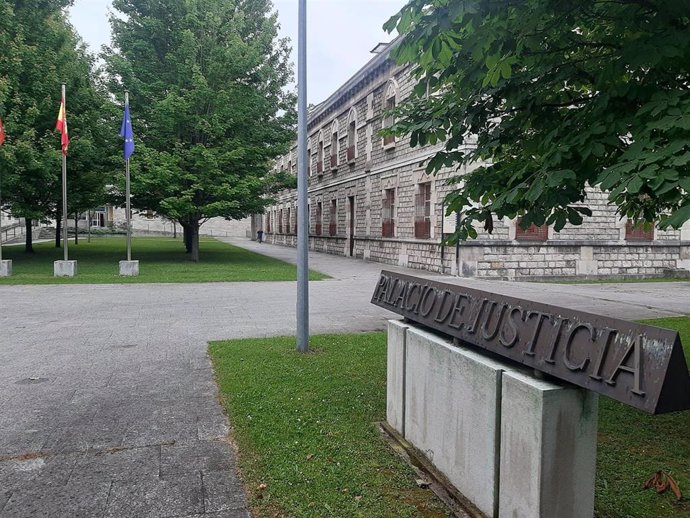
[{"x": 370, "y": 198}]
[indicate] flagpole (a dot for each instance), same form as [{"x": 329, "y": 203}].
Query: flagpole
[
  {"x": 64, "y": 190},
  {"x": 128, "y": 201},
  {"x": 0, "y": 214}
]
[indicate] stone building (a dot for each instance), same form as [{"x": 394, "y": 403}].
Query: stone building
[{"x": 370, "y": 198}]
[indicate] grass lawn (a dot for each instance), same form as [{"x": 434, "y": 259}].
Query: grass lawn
[
  {"x": 304, "y": 425},
  {"x": 634, "y": 445},
  {"x": 304, "y": 428},
  {"x": 160, "y": 260}
]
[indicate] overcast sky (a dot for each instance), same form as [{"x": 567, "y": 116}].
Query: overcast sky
[{"x": 340, "y": 36}]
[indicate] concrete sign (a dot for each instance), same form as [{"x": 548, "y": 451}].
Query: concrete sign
[{"x": 641, "y": 366}]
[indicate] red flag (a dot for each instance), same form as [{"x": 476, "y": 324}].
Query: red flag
[
  {"x": 61, "y": 126},
  {"x": 2, "y": 132}
]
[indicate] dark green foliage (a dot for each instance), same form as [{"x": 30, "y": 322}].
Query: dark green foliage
[
  {"x": 557, "y": 96},
  {"x": 40, "y": 52},
  {"x": 210, "y": 112}
]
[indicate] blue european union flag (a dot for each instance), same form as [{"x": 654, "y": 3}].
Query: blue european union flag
[{"x": 127, "y": 133}]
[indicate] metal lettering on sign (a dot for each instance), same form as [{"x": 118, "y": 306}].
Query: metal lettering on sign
[{"x": 639, "y": 365}]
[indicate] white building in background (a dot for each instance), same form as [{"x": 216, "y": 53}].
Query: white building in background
[
  {"x": 369, "y": 197},
  {"x": 148, "y": 223}
]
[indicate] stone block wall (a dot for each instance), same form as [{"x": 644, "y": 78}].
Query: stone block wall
[{"x": 598, "y": 248}]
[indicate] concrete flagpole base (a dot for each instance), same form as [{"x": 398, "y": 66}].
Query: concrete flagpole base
[
  {"x": 65, "y": 268},
  {"x": 129, "y": 268},
  {"x": 6, "y": 268}
]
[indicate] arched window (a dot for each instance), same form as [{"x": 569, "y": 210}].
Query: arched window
[
  {"x": 319, "y": 154},
  {"x": 389, "y": 103},
  {"x": 335, "y": 145},
  {"x": 352, "y": 136}
]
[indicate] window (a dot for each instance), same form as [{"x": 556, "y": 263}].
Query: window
[
  {"x": 334, "y": 145},
  {"x": 287, "y": 225},
  {"x": 532, "y": 233},
  {"x": 351, "y": 136},
  {"x": 280, "y": 221},
  {"x": 295, "y": 226},
  {"x": 638, "y": 232},
  {"x": 319, "y": 217},
  {"x": 268, "y": 222},
  {"x": 333, "y": 222},
  {"x": 319, "y": 155},
  {"x": 388, "y": 119},
  {"x": 422, "y": 220},
  {"x": 309, "y": 159},
  {"x": 388, "y": 213}
]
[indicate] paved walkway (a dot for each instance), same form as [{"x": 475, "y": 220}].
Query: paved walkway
[{"x": 108, "y": 407}]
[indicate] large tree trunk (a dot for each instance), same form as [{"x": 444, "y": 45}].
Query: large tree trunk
[
  {"x": 29, "y": 246},
  {"x": 76, "y": 229},
  {"x": 187, "y": 237},
  {"x": 194, "y": 231},
  {"x": 58, "y": 230}
]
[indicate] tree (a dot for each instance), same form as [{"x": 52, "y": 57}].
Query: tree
[
  {"x": 553, "y": 96},
  {"x": 207, "y": 81},
  {"x": 41, "y": 51}
]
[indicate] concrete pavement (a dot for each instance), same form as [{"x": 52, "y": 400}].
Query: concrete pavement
[{"x": 108, "y": 406}]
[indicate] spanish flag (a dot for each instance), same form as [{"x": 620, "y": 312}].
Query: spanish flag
[
  {"x": 61, "y": 126},
  {"x": 2, "y": 132}
]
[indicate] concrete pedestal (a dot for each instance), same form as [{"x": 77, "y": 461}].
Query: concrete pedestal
[
  {"x": 6, "y": 268},
  {"x": 395, "y": 381},
  {"x": 452, "y": 413},
  {"x": 548, "y": 449},
  {"x": 512, "y": 444},
  {"x": 129, "y": 268},
  {"x": 64, "y": 268}
]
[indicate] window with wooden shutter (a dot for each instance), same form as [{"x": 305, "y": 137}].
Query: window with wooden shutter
[
  {"x": 388, "y": 213},
  {"x": 639, "y": 232},
  {"x": 422, "y": 221},
  {"x": 532, "y": 233},
  {"x": 319, "y": 216},
  {"x": 333, "y": 221}
]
